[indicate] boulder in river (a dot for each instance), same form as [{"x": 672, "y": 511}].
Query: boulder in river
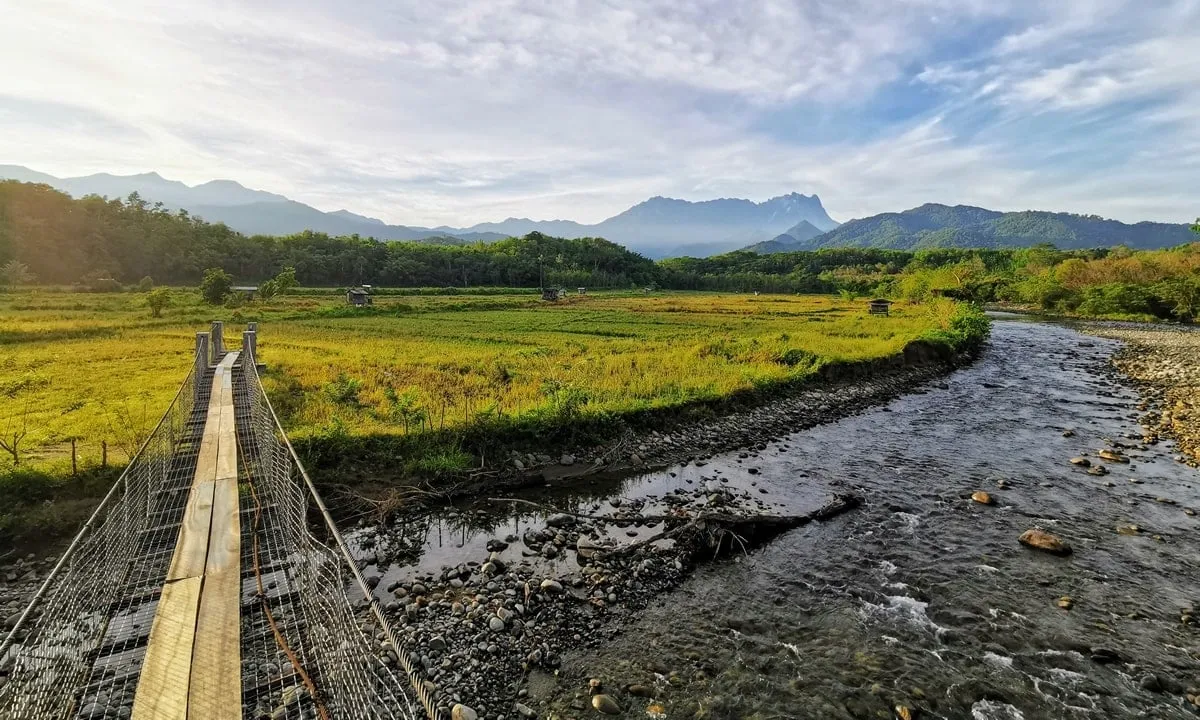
[
  {"x": 1081, "y": 461},
  {"x": 1044, "y": 541},
  {"x": 558, "y": 520},
  {"x": 981, "y": 497}
]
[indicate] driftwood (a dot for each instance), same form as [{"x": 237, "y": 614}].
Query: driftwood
[{"x": 746, "y": 529}]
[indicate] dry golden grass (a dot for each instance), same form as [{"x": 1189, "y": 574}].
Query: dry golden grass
[{"x": 98, "y": 368}]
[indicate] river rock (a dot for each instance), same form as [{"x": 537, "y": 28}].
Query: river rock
[
  {"x": 1065, "y": 602},
  {"x": 905, "y": 713},
  {"x": 551, "y": 587},
  {"x": 1128, "y": 529},
  {"x": 586, "y": 549},
  {"x": 524, "y": 710},
  {"x": 640, "y": 691},
  {"x": 559, "y": 520},
  {"x": 1098, "y": 470},
  {"x": 1081, "y": 461},
  {"x": 1112, "y": 456},
  {"x": 566, "y": 459},
  {"x": 496, "y": 624},
  {"x": 605, "y": 704},
  {"x": 462, "y": 712},
  {"x": 982, "y": 497},
  {"x": 1044, "y": 541}
]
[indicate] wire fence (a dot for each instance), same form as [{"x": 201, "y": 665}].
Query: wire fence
[
  {"x": 308, "y": 649},
  {"x": 305, "y": 619},
  {"x": 77, "y": 649}
]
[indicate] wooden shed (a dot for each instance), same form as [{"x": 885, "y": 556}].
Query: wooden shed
[
  {"x": 358, "y": 297},
  {"x": 551, "y": 293},
  {"x": 879, "y": 306}
]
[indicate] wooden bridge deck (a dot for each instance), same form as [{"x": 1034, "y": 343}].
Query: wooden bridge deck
[{"x": 192, "y": 666}]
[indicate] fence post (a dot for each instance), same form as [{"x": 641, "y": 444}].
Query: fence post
[
  {"x": 218, "y": 341},
  {"x": 249, "y": 347},
  {"x": 201, "y": 365}
]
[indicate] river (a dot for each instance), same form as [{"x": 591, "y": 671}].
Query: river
[{"x": 922, "y": 601}]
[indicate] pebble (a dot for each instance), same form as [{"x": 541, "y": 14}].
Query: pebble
[
  {"x": 605, "y": 704},
  {"x": 462, "y": 712}
]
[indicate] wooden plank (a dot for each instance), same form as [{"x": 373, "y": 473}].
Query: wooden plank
[
  {"x": 216, "y": 687},
  {"x": 191, "y": 548},
  {"x": 216, "y": 683},
  {"x": 163, "y": 686}
]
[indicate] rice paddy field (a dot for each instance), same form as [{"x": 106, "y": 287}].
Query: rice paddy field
[{"x": 97, "y": 368}]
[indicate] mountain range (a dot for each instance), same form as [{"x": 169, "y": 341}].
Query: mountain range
[
  {"x": 658, "y": 227},
  {"x": 963, "y": 226}
]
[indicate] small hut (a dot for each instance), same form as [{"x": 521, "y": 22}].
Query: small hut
[
  {"x": 358, "y": 297},
  {"x": 247, "y": 291},
  {"x": 551, "y": 293},
  {"x": 582, "y": 290},
  {"x": 879, "y": 306}
]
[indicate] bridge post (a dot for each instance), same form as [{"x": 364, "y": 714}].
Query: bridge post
[
  {"x": 201, "y": 364},
  {"x": 218, "y": 341},
  {"x": 249, "y": 346}
]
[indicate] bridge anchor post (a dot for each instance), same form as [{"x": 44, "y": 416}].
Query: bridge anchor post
[
  {"x": 249, "y": 346},
  {"x": 201, "y": 365},
  {"x": 218, "y": 341}
]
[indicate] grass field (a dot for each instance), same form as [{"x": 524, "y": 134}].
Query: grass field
[{"x": 418, "y": 369}]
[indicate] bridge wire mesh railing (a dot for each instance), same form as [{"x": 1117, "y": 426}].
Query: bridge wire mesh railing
[
  {"x": 346, "y": 647},
  {"x": 76, "y": 650}
]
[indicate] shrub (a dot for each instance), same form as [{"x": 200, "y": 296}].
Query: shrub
[
  {"x": 158, "y": 300},
  {"x": 795, "y": 356},
  {"x": 215, "y": 286},
  {"x": 1117, "y": 299},
  {"x": 343, "y": 390},
  {"x": 146, "y": 284}
]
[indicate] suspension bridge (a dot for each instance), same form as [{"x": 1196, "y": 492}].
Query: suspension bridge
[{"x": 211, "y": 583}]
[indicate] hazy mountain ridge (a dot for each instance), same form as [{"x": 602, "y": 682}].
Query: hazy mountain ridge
[
  {"x": 657, "y": 227},
  {"x": 964, "y": 226},
  {"x": 793, "y": 239}
]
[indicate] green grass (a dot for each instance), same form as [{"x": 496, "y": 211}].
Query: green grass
[{"x": 422, "y": 380}]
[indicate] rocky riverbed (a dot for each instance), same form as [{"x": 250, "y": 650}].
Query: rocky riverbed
[
  {"x": 19, "y": 580},
  {"x": 823, "y": 402},
  {"x": 925, "y": 602},
  {"x": 1166, "y": 362}
]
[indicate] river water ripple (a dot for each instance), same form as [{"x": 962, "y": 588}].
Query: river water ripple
[
  {"x": 924, "y": 598},
  {"x": 921, "y": 599}
]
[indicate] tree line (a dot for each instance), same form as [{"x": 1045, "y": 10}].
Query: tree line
[{"x": 96, "y": 243}]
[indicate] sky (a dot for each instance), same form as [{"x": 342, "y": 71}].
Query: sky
[{"x": 463, "y": 111}]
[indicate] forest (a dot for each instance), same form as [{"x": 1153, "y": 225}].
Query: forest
[{"x": 93, "y": 243}]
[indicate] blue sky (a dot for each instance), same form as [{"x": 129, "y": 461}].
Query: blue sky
[{"x": 461, "y": 111}]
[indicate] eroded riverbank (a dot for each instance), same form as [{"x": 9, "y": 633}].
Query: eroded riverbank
[{"x": 921, "y": 599}]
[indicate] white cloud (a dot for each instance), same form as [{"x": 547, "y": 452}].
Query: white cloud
[{"x": 470, "y": 110}]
